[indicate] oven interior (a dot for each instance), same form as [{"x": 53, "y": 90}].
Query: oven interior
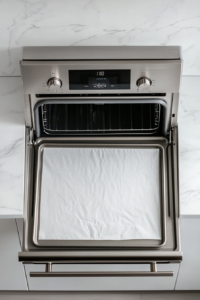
[
  {"x": 63, "y": 119},
  {"x": 102, "y": 117}
]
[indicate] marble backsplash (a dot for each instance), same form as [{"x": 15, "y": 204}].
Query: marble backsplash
[
  {"x": 94, "y": 22},
  {"x": 189, "y": 145}
]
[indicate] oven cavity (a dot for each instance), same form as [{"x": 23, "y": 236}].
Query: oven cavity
[{"x": 64, "y": 119}]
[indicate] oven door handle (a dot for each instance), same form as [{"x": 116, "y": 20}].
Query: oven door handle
[{"x": 152, "y": 273}]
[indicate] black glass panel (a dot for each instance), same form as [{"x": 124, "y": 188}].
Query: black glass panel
[{"x": 99, "y": 79}]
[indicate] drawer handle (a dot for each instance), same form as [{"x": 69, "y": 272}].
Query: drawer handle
[{"x": 153, "y": 273}]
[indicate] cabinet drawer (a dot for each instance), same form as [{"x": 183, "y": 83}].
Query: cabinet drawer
[{"x": 102, "y": 283}]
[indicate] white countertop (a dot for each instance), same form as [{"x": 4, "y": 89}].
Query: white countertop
[
  {"x": 12, "y": 147},
  {"x": 189, "y": 146}
]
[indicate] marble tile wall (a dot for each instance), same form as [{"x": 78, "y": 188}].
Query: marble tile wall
[{"x": 94, "y": 22}]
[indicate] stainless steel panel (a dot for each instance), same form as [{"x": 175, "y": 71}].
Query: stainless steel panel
[
  {"x": 174, "y": 110},
  {"x": 165, "y": 75},
  {"x": 103, "y": 257},
  {"x": 28, "y": 111},
  {"x": 101, "y": 52}
]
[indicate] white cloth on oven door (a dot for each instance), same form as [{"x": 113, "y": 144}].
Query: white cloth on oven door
[{"x": 100, "y": 194}]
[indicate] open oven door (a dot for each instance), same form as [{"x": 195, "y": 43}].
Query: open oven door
[{"x": 51, "y": 135}]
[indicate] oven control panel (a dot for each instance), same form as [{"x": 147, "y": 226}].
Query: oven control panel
[
  {"x": 104, "y": 77},
  {"x": 100, "y": 82}
]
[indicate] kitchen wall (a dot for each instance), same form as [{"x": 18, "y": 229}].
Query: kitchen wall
[{"x": 98, "y": 22}]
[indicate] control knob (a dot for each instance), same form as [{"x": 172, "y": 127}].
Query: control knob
[
  {"x": 144, "y": 84},
  {"x": 54, "y": 83}
]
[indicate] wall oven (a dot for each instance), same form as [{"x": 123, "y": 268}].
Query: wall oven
[{"x": 101, "y": 165}]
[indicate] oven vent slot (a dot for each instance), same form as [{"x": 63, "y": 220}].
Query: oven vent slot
[
  {"x": 101, "y": 95},
  {"x": 62, "y": 119}
]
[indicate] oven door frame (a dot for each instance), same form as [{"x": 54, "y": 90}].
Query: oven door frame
[
  {"x": 33, "y": 254},
  {"x": 116, "y": 143}
]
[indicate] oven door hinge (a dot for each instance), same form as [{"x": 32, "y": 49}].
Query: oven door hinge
[
  {"x": 31, "y": 137},
  {"x": 171, "y": 142}
]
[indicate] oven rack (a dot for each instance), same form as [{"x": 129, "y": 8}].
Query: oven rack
[{"x": 60, "y": 119}]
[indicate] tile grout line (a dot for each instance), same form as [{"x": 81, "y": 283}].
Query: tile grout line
[{"x": 27, "y": 285}]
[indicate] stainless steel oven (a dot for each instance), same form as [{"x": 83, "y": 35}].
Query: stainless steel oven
[{"x": 103, "y": 98}]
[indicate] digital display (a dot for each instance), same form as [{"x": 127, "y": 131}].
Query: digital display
[{"x": 99, "y": 79}]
